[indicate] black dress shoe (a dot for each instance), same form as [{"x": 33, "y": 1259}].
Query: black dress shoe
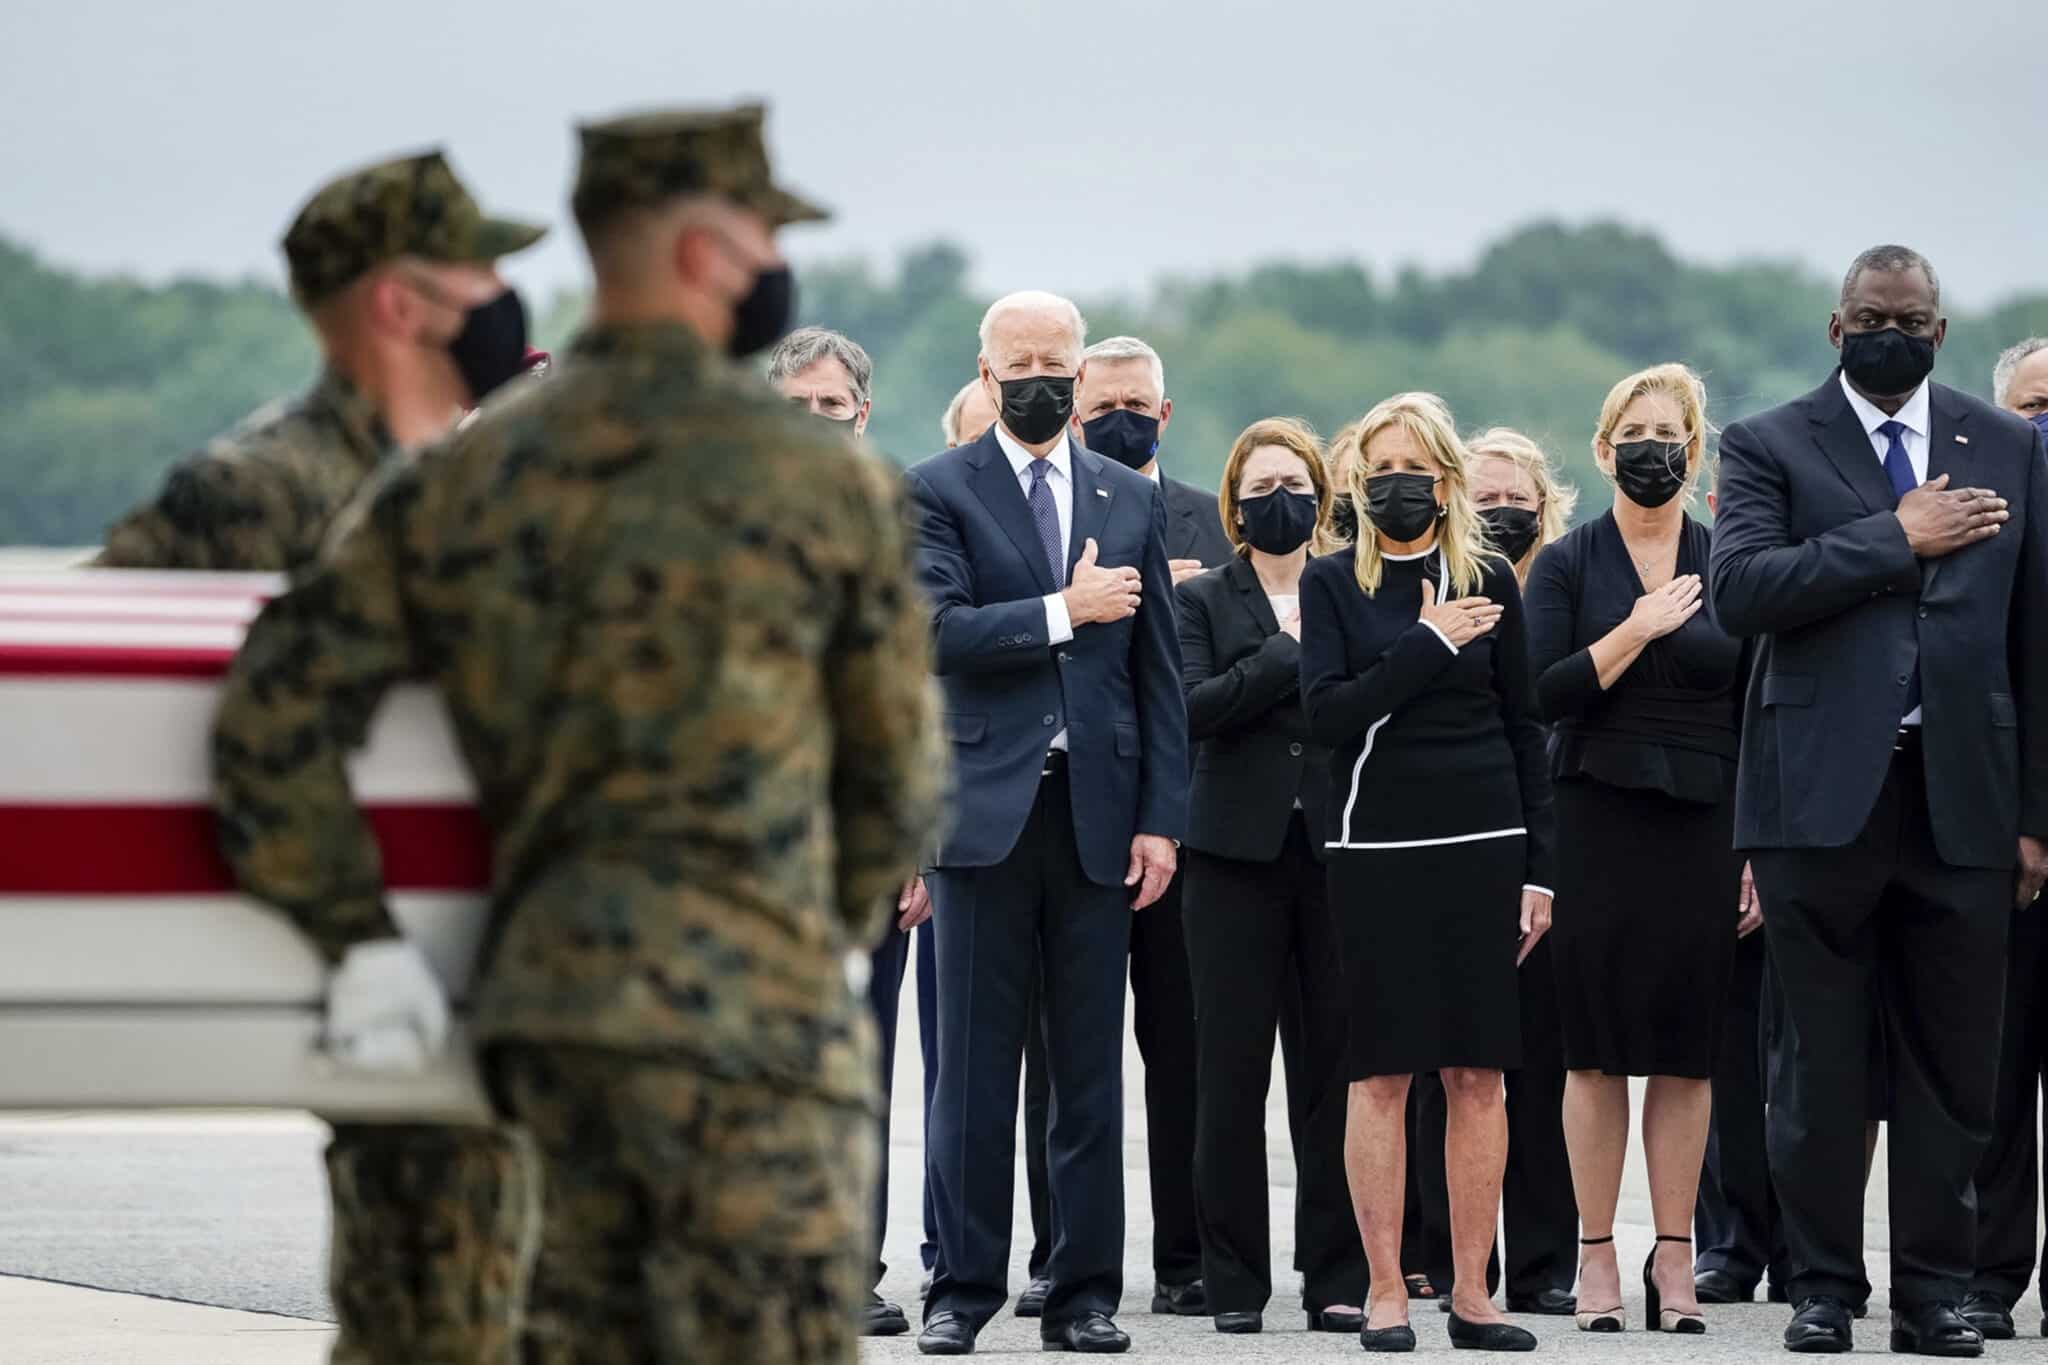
[
  {"x": 1345, "y": 1320},
  {"x": 1934, "y": 1329},
  {"x": 1190, "y": 1300},
  {"x": 1989, "y": 1315},
  {"x": 1090, "y": 1334},
  {"x": 881, "y": 1319},
  {"x": 1545, "y": 1303},
  {"x": 1031, "y": 1303},
  {"x": 946, "y": 1334},
  {"x": 1489, "y": 1336},
  {"x": 1820, "y": 1326},
  {"x": 1718, "y": 1286},
  {"x": 1240, "y": 1324},
  {"x": 1396, "y": 1340}
]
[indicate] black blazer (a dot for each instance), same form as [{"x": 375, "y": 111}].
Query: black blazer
[
  {"x": 1810, "y": 558},
  {"x": 1194, "y": 525},
  {"x": 1253, "y": 754}
]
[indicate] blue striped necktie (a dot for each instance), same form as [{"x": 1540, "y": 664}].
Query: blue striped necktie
[
  {"x": 1047, "y": 516},
  {"x": 1898, "y": 467}
]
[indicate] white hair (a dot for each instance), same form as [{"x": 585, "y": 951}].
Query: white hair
[
  {"x": 2008, "y": 365},
  {"x": 949, "y": 422},
  {"x": 1129, "y": 348},
  {"x": 1034, "y": 301}
]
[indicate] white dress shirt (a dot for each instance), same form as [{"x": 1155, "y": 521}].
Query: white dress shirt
[
  {"x": 1059, "y": 625},
  {"x": 1914, "y": 418}
]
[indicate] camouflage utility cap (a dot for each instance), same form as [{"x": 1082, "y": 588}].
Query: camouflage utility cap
[
  {"x": 413, "y": 206},
  {"x": 646, "y": 158}
]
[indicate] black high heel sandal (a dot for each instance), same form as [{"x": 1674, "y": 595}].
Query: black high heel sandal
[
  {"x": 1660, "y": 1318},
  {"x": 1613, "y": 1319}
]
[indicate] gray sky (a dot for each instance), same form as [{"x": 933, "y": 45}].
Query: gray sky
[{"x": 1085, "y": 147}]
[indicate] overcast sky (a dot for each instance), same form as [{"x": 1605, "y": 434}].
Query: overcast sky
[{"x": 1084, "y": 147}]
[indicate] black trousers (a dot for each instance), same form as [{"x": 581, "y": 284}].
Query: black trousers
[
  {"x": 885, "y": 993},
  {"x": 2008, "y": 1176},
  {"x": 1539, "y": 1215},
  {"x": 1883, "y": 924},
  {"x": 1258, "y": 933},
  {"x": 1035, "y": 906},
  {"x": 1736, "y": 1228},
  {"x": 1163, "y": 1019}
]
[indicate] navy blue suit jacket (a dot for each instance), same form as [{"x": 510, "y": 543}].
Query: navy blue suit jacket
[{"x": 1008, "y": 689}]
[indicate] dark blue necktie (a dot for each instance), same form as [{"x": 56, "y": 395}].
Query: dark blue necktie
[
  {"x": 1047, "y": 516},
  {"x": 1898, "y": 467}
]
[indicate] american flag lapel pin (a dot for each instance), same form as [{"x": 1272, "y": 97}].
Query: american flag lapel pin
[
  {"x": 1104, "y": 492},
  {"x": 1962, "y": 440}
]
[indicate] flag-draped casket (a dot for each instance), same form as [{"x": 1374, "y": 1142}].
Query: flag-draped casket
[{"x": 131, "y": 971}]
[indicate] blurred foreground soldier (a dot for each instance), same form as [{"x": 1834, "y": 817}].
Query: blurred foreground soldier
[
  {"x": 394, "y": 268},
  {"x": 434, "y": 1226},
  {"x": 674, "y": 627},
  {"x": 1885, "y": 541},
  {"x": 2007, "y": 1176}
]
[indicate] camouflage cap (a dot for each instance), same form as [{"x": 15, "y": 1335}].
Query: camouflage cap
[
  {"x": 645, "y": 158},
  {"x": 411, "y": 206}
]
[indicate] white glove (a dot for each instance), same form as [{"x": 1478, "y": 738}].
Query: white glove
[{"x": 386, "y": 1010}]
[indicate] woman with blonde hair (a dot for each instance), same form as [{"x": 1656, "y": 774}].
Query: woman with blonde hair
[
  {"x": 1415, "y": 671},
  {"x": 1645, "y": 691},
  {"x": 1519, "y": 496}
]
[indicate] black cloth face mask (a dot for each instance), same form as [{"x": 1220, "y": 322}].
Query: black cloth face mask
[
  {"x": 1886, "y": 362},
  {"x": 1129, "y": 438},
  {"x": 1650, "y": 472},
  {"x": 1279, "y": 522},
  {"x": 1037, "y": 406},
  {"x": 1344, "y": 517},
  {"x": 1401, "y": 506},
  {"x": 761, "y": 318},
  {"x": 491, "y": 347},
  {"x": 1512, "y": 529}
]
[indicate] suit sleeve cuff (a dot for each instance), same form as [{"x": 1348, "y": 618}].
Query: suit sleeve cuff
[
  {"x": 1543, "y": 890},
  {"x": 1439, "y": 635},
  {"x": 1059, "y": 626}
]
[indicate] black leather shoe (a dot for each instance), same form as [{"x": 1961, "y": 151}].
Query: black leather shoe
[
  {"x": 1989, "y": 1315},
  {"x": 1489, "y": 1336},
  {"x": 1718, "y": 1286},
  {"x": 1031, "y": 1303},
  {"x": 1240, "y": 1324},
  {"x": 881, "y": 1319},
  {"x": 1395, "y": 1340},
  {"x": 1346, "y": 1320},
  {"x": 1190, "y": 1300},
  {"x": 1090, "y": 1334},
  {"x": 1820, "y": 1327},
  {"x": 1545, "y": 1303},
  {"x": 1934, "y": 1329},
  {"x": 946, "y": 1334}
]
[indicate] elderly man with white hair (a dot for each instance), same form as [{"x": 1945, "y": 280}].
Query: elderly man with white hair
[{"x": 1045, "y": 566}]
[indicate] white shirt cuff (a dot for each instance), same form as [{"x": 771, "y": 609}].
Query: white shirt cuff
[
  {"x": 1058, "y": 625},
  {"x": 1441, "y": 636},
  {"x": 1543, "y": 889}
]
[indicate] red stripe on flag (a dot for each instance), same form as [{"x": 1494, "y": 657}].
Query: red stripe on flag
[
  {"x": 112, "y": 661},
  {"x": 171, "y": 850}
]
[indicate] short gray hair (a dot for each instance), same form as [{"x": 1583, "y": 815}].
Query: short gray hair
[
  {"x": 1034, "y": 300},
  {"x": 1129, "y": 348},
  {"x": 1890, "y": 258},
  {"x": 949, "y": 424},
  {"x": 2008, "y": 365},
  {"x": 806, "y": 346}
]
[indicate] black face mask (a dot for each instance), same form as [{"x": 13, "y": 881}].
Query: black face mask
[
  {"x": 1344, "y": 517},
  {"x": 1279, "y": 522},
  {"x": 1401, "y": 506},
  {"x": 1037, "y": 406},
  {"x": 760, "y": 319},
  {"x": 491, "y": 347},
  {"x": 1650, "y": 472},
  {"x": 1129, "y": 438},
  {"x": 1512, "y": 529},
  {"x": 1886, "y": 362}
]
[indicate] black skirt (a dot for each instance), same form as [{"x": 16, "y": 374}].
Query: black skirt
[
  {"x": 1644, "y": 933},
  {"x": 1429, "y": 938}
]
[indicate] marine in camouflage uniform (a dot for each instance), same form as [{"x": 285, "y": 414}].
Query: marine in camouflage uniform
[
  {"x": 675, "y": 628},
  {"x": 434, "y": 1227}
]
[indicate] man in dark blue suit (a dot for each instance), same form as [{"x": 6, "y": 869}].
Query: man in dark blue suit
[
  {"x": 1055, "y": 644},
  {"x": 1885, "y": 541}
]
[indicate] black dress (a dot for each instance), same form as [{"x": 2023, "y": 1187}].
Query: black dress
[
  {"x": 1441, "y": 805},
  {"x": 1648, "y": 880}
]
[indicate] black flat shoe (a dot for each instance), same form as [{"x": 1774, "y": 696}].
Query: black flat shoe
[
  {"x": 1934, "y": 1329},
  {"x": 946, "y": 1334},
  {"x": 1489, "y": 1336},
  {"x": 1190, "y": 1300},
  {"x": 1090, "y": 1334},
  {"x": 1396, "y": 1340},
  {"x": 881, "y": 1319},
  {"x": 1333, "y": 1320},
  {"x": 1031, "y": 1303},
  {"x": 1718, "y": 1286},
  {"x": 1241, "y": 1324},
  {"x": 1545, "y": 1303},
  {"x": 1820, "y": 1327},
  {"x": 1989, "y": 1315}
]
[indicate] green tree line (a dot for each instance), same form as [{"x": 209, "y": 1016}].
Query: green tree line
[{"x": 104, "y": 382}]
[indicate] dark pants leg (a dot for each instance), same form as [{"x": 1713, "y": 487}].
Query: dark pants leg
[
  {"x": 885, "y": 993},
  {"x": 1163, "y": 1019},
  {"x": 1539, "y": 1216},
  {"x": 1735, "y": 1219},
  {"x": 995, "y": 923},
  {"x": 928, "y": 1044},
  {"x": 1883, "y": 923},
  {"x": 2007, "y": 1191},
  {"x": 1037, "y": 1110}
]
